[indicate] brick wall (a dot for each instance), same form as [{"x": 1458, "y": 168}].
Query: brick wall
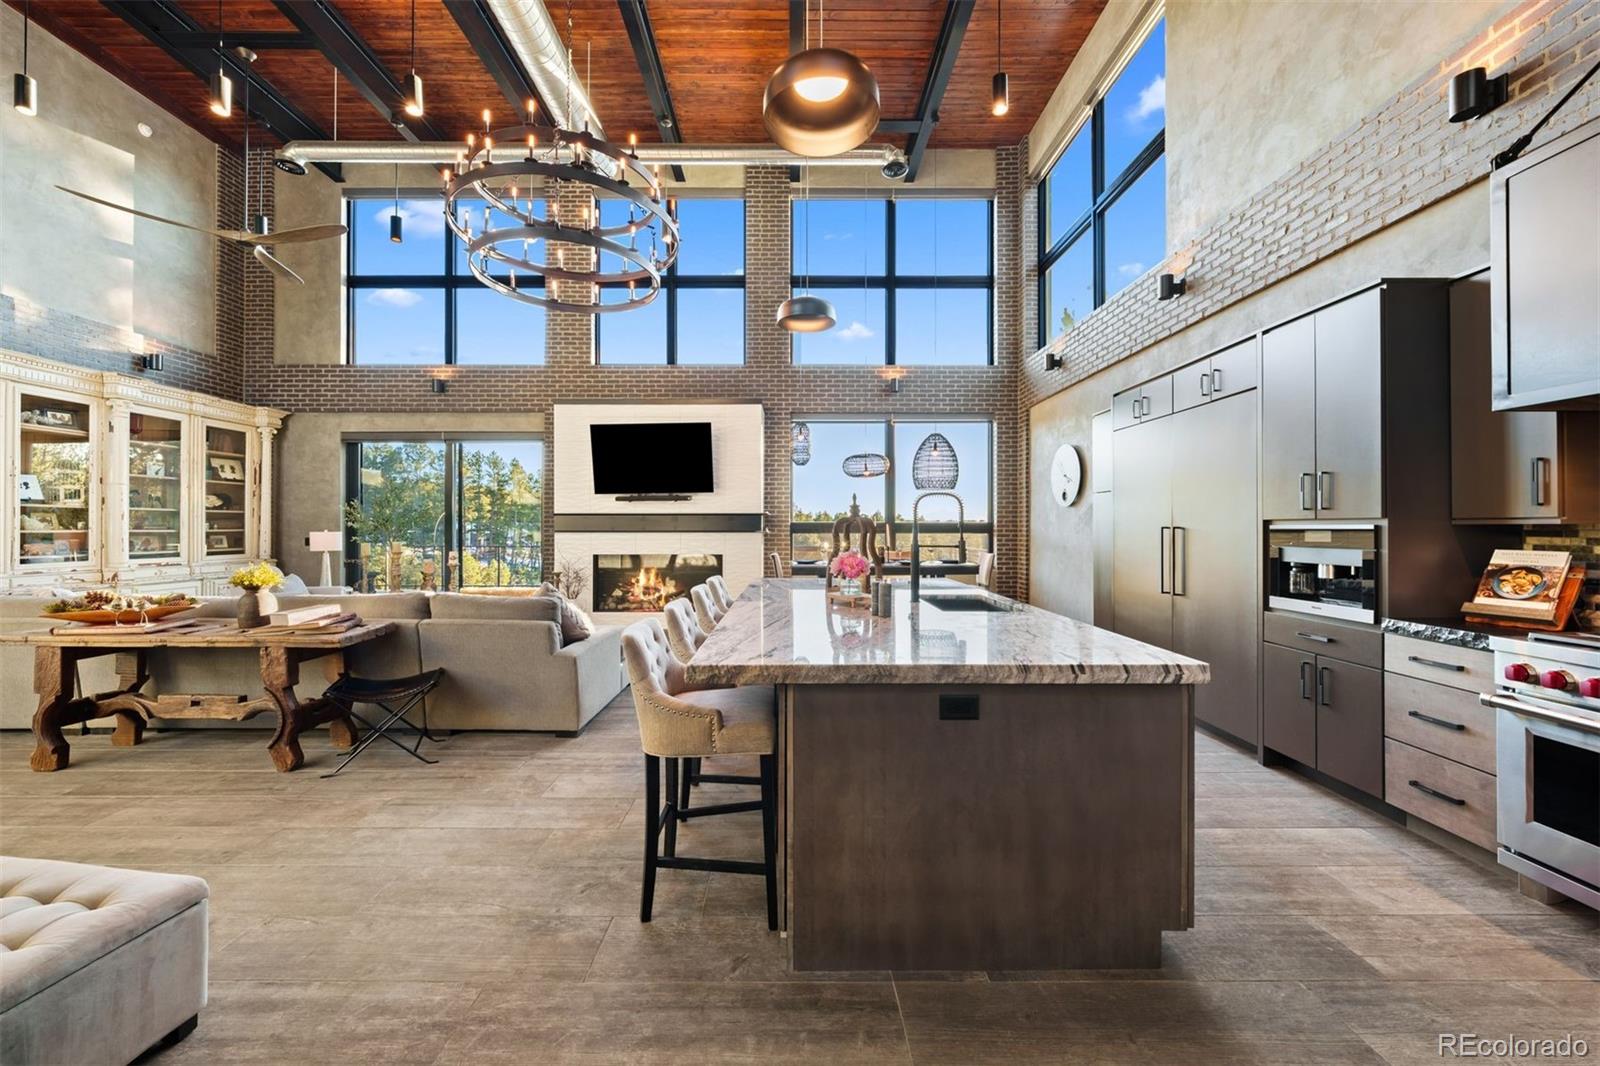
[
  {"x": 569, "y": 373},
  {"x": 1396, "y": 161}
]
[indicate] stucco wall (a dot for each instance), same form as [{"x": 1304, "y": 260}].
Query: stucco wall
[
  {"x": 65, "y": 254},
  {"x": 310, "y": 481}
]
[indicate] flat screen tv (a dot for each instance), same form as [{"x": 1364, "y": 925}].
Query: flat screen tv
[{"x": 651, "y": 458}]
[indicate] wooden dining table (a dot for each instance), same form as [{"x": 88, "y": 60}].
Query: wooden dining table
[{"x": 57, "y": 653}]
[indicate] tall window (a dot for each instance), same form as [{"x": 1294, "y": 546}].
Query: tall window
[
  {"x": 821, "y": 491},
  {"x": 416, "y": 301},
  {"x": 1103, "y": 204},
  {"x": 912, "y": 281},
  {"x": 454, "y": 513},
  {"x": 697, "y": 319}
]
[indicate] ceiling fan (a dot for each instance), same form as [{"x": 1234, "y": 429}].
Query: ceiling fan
[{"x": 256, "y": 242}]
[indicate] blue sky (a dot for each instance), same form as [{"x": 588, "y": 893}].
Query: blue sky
[{"x": 822, "y": 485}]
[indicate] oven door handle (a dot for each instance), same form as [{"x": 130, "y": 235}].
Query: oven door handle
[{"x": 1571, "y": 721}]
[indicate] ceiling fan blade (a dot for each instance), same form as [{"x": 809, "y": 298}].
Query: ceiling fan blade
[
  {"x": 268, "y": 260},
  {"x": 296, "y": 235},
  {"x": 141, "y": 214}
]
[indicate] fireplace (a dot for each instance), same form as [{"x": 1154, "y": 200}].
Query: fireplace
[{"x": 644, "y": 583}]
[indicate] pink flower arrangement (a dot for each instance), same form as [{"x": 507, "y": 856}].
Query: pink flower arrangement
[{"x": 850, "y": 565}]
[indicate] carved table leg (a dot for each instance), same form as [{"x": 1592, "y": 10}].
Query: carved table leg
[
  {"x": 342, "y": 731},
  {"x": 131, "y": 677},
  {"x": 280, "y": 672},
  {"x": 52, "y": 680}
]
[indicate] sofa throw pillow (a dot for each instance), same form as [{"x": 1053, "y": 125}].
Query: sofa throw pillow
[{"x": 575, "y": 625}]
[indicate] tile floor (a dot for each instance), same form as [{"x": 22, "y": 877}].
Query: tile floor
[{"x": 485, "y": 910}]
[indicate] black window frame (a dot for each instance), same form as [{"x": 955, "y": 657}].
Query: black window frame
[
  {"x": 891, "y": 280},
  {"x": 894, "y": 526},
  {"x": 1103, "y": 194},
  {"x": 673, "y": 282},
  {"x": 451, "y": 281},
  {"x": 454, "y": 518}
]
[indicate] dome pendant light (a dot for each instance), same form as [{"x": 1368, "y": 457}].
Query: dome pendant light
[
  {"x": 25, "y": 90},
  {"x": 1000, "y": 99},
  {"x": 805, "y": 313},
  {"x": 820, "y": 101}
]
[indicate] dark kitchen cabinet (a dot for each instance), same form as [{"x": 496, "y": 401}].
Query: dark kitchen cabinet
[
  {"x": 1544, "y": 239},
  {"x": 1349, "y": 702},
  {"x": 1353, "y": 400},
  {"x": 1324, "y": 713},
  {"x": 1514, "y": 467},
  {"x": 1288, "y": 710}
]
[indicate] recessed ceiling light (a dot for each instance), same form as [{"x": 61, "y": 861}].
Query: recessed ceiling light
[{"x": 145, "y": 130}]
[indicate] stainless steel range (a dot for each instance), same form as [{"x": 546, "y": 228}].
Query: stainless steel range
[{"x": 1547, "y": 741}]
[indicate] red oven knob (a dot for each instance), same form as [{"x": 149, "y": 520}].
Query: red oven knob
[
  {"x": 1558, "y": 679},
  {"x": 1519, "y": 672},
  {"x": 1589, "y": 688}
]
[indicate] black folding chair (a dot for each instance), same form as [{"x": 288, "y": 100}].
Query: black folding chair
[{"x": 404, "y": 692}]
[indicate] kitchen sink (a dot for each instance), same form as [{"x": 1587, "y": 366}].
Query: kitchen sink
[{"x": 965, "y": 603}]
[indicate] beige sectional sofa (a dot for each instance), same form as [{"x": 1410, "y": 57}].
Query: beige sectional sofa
[{"x": 505, "y": 666}]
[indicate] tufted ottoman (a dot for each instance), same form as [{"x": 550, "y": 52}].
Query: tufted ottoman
[{"x": 97, "y": 964}]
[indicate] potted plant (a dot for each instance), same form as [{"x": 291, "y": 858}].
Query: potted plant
[{"x": 256, "y": 601}]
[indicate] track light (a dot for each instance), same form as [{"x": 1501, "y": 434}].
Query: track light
[
  {"x": 1000, "y": 98},
  {"x": 24, "y": 90}
]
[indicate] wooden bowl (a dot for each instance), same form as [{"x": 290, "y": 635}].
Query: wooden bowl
[{"x": 126, "y": 618}]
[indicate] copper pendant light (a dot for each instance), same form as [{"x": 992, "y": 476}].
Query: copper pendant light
[{"x": 820, "y": 101}]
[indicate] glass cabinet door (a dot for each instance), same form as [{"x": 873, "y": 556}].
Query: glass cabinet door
[
  {"x": 155, "y": 487},
  {"x": 54, "y": 481},
  {"x": 225, "y": 491}
]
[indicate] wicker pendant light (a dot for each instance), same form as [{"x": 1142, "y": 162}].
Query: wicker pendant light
[
  {"x": 799, "y": 444},
  {"x": 935, "y": 465},
  {"x": 866, "y": 464}
]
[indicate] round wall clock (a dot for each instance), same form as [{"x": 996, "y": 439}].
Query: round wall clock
[{"x": 1066, "y": 475}]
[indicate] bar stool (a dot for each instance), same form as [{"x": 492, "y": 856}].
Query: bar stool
[
  {"x": 684, "y": 637},
  {"x": 777, "y": 564},
  {"x": 706, "y": 611},
  {"x": 719, "y": 592},
  {"x": 986, "y": 570},
  {"x": 678, "y": 721}
]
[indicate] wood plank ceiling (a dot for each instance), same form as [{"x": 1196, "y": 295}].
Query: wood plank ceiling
[{"x": 716, "y": 56}]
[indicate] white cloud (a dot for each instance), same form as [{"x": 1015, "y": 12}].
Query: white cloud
[
  {"x": 1152, "y": 98},
  {"x": 1131, "y": 270},
  {"x": 855, "y": 331},
  {"x": 394, "y": 297},
  {"x": 418, "y": 222}
]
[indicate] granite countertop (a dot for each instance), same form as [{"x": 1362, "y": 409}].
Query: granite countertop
[
  {"x": 783, "y": 631},
  {"x": 1456, "y": 631}
]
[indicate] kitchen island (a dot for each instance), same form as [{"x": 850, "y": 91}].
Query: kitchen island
[{"x": 971, "y": 783}]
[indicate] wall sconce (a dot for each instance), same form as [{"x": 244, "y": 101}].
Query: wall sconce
[
  {"x": 1474, "y": 94},
  {"x": 438, "y": 386},
  {"x": 1052, "y": 361},
  {"x": 1168, "y": 286},
  {"x": 151, "y": 361}
]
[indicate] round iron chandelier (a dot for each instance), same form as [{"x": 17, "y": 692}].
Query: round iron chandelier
[{"x": 501, "y": 201}]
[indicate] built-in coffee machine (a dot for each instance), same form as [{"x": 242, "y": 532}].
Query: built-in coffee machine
[{"x": 1325, "y": 570}]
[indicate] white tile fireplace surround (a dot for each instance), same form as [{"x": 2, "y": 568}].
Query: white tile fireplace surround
[{"x": 737, "y": 442}]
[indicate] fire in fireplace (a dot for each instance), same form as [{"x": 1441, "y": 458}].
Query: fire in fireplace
[{"x": 645, "y": 583}]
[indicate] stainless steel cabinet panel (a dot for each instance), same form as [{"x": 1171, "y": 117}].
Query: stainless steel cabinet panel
[
  {"x": 1156, "y": 398},
  {"x": 1125, "y": 408},
  {"x": 1288, "y": 420},
  {"x": 1216, "y": 561},
  {"x": 1544, "y": 236},
  {"x": 1349, "y": 408},
  {"x": 1141, "y": 561},
  {"x": 1349, "y": 701},
  {"x": 1235, "y": 369},
  {"x": 1191, "y": 385},
  {"x": 1321, "y": 636},
  {"x": 1288, "y": 713}
]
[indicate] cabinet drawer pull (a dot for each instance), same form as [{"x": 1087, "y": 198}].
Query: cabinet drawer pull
[
  {"x": 1216, "y": 381},
  {"x": 1323, "y": 686},
  {"x": 1136, "y": 407},
  {"x": 1305, "y": 504},
  {"x": 1436, "y": 664},
  {"x": 1436, "y": 794},
  {"x": 1325, "y": 490},
  {"x": 1319, "y": 638},
  {"x": 1431, "y": 720},
  {"x": 1144, "y": 405},
  {"x": 1205, "y": 383},
  {"x": 1305, "y": 680},
  {"x": 1541, "y": 482}
]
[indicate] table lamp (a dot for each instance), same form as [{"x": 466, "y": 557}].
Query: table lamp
[{"x": 326, "y": 541}]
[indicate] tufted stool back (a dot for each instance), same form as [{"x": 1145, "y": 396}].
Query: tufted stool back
[
  {"x": 706, "y": 611},
  {"x": 777, "y": 564},
  {"x": 684, "y": 634},
  {"x": 719, "y": 592}
]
